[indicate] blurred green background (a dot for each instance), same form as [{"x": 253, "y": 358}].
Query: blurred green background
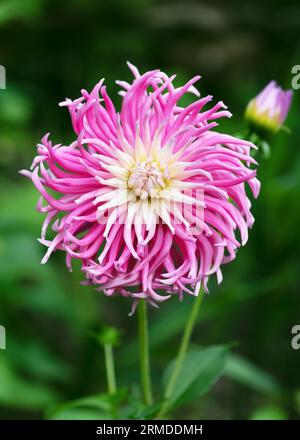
[{"x": 53, "y": 48}]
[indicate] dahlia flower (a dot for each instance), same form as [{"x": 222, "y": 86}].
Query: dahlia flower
[
  {"x": 150, "y": 199},
  {"x": 268, "y": 110}
]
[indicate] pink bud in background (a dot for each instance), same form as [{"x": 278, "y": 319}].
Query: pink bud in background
[{"x": 267, "y": 112}]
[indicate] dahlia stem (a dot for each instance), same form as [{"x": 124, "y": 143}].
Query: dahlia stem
[
  {"x": 183, "y": 348},
  {"x": 110, "y": 368},
  {"x": 144, "y": 352}
]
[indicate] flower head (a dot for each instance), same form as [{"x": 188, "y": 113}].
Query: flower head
[
  {"x": 267, "y": 112},
  {"x": 150, "y": 198}
]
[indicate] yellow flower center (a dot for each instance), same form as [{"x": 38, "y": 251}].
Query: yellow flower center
[{"x": 147, "y": 178}]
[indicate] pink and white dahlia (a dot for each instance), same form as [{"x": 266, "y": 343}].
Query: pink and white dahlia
[{"x": 150, "y": 199}]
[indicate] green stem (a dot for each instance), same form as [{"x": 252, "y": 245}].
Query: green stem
[
  {"x": 190, "y": 324},
  {"x": 144, "y": 352},
  {"x": 110, "y": 368}
]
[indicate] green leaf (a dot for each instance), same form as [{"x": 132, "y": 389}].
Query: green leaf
[
  {"x": 17, "y": 392},
  {"x": 244, "y": 372},
  {"x": 95, "y": 406},
  {"x": 137, "y": 410},
  {"x": 266, "y": 149},
  {"x": 13, "y": 9},
  {"x": 81, "y": 414},
  {"x": 268, "y": 412},
  {"x": 149, "y": 412},
  {"x": 35, "y": 359},
  {"x": 201, "y": 369}
]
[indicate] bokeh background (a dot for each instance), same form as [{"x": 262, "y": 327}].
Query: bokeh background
[{"x": 51, "y": 49}]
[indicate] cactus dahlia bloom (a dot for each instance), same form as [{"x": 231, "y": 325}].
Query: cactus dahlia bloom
[{"x": 150, "y": 199}]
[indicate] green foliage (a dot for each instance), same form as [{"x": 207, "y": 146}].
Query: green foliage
[
  {"x": 245, "y": 373},
  {"x": 268, "y": 412},
  {"x": 100, "y": 406},
  {"x": 15, "y": 9},
  {"x": 18, "y": 393},
  {"x": 201, "y": 369}
]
